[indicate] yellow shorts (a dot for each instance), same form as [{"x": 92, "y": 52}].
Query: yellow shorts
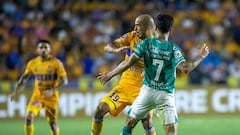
[
  {"x": 119, "y": 97},
  {"x": 51, "y": 107}
]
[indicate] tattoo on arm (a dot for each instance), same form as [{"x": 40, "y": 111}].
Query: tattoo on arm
[
  {"x": 124, "y": 65},
  {"x": 188, "y": 66},
  {"x": 63, "y": 81},
  {"x": 23, "y": 79},
  {"x": 196, "y": 61},
  {"x": 111, "y": 47}
]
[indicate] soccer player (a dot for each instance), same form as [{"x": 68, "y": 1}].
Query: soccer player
[
  {"x": 130, "y": 82},
  {"x": 161, "y": 58},
  {"x": 49, "y": 75}
]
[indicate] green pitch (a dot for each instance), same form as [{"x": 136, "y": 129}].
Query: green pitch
[{"x": 221, "y": 125}]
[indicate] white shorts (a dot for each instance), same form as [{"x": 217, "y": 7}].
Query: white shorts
[{"x": 160, "y": 100}]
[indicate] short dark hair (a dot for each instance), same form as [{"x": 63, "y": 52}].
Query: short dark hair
[
  {"x": 44, "y": 41},
  {"x": 164, "y": 22}
]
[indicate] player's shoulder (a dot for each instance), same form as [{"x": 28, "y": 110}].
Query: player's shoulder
[
  {"x": 150, "y": 40},
  {"x": 170, "y": 46},
  {"x": 57, "y": 61},
  {"x": 33, "y": 61},
  {"x": 175, "y": 46},
  {"x": 130, "y": 34}
]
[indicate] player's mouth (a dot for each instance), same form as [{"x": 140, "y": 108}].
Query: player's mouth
[
  {"x": 137, "y": 33},
  {"x": 44, "y": 53}
]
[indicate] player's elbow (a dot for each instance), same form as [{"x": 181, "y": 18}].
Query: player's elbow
[
  {"x": 185, "y": 67},
  {"x": 187, "y": 71},
  {"x": 65, "y": 82}
]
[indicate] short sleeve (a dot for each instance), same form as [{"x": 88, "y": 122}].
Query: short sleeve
[
  {"x": 140, "y": 50},
  {"x": 60, "y": 69},
  {"x": 177, "y": 56},
  {"x": 124, "y": 40},
  {"x": 28, "y": 69}
]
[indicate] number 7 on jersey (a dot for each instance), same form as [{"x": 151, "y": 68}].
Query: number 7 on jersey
[{"x": 159, "y": 63}]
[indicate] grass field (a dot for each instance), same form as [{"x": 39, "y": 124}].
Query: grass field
[{"x": 221, "y": 125}]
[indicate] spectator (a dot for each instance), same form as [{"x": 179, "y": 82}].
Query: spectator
[{"x": 80, "y": 30}]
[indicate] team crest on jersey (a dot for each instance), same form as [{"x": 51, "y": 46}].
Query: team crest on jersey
[
  {"x": 175, "y": 48},
  {"x": 49, "y": 69},
  {"x": 177, "y": 54}
]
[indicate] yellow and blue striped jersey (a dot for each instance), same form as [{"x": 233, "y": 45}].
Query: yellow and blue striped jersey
[
  {"x": 132, "y": 76},
  {"x": 46, "y": 73}
]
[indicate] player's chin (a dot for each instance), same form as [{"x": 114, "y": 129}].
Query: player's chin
[
  {"x": 138, "y": 34},
  {"x": 43, "y": 54}
]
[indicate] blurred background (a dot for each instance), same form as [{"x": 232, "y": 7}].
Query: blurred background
[{"x": 79, "y": 29}]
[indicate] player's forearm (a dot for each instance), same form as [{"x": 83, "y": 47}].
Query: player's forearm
[
  {"x": 23, "y": 79},
  {"x": 63, "y": 81},
  {"x": 190, "y": 65},
  {"x": 109, "y": 48},
  {"x": 124, "y": 65},
  {"x": 196, "y": 61},
  {"x": 204, "y": 50}
]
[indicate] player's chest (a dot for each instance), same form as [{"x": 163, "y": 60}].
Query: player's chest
[
  {"x": 44, "y": 68},
  {"x": 132, "y": 46}
]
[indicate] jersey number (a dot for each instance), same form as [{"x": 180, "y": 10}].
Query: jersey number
[
  {"x": 159, "y": 69},
  {"x": 114, "y": 97}
]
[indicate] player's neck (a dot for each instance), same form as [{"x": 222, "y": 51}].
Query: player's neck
[
  {"x": 163, "y": 37},
  {"x": 45, "y": 58}
]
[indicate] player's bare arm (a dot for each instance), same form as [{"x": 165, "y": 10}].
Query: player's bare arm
[
  {"x": 63, "y": 80},
  {"x": 124, "y": 65},
  {"x": 23, "y": 79},
  {"x": 188, "y": 66},
  {"x": 115, "y": 48}
]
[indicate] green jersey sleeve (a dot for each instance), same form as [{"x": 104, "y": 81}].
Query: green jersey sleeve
[
  {"x": 140, "y": 50},
  {"x": 177, "y": 56}
]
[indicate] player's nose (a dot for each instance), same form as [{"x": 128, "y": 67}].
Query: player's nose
[{"x": 135, "y": 28}]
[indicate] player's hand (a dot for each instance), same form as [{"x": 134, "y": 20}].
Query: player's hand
[
  {"x": 48, "y": 93},
  {"x": 142, "y": 74},
  {"x": 121, "y": 49},
  {"x": 104, "y": 77},
  {"x": 13, "y": 96},
  {"x": 203, "y": 50}
]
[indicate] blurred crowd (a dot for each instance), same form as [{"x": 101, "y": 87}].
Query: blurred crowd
[{"x": 79, "y": 30}]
